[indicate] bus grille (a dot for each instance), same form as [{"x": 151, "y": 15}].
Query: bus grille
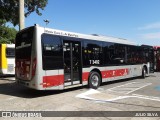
[{"x": 10, "y": 68}]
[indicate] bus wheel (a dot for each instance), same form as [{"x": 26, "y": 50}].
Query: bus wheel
[
  {"x": 144, "y": 72},
  {"x": 94, "y": 80}
]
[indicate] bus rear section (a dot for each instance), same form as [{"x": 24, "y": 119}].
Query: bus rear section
[
  {"x": 7, "y": 59},
  {"x": 25, "y": 57}
]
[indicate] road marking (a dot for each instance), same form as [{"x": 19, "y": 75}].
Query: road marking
[
  {"x": 95, "y": 96},
  {"x": 129, "y": 87},
  {"x": 89, "y": 92},
  {"x": 147, "y": 97},
  {"x": 11, "y": 98},
  {"x": 140, "y": 88},
  {"x": 100, "y": 96}
]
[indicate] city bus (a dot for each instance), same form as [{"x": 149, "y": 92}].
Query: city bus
[
  {"x": 7, "y": 59},
  {"x": 157, "y": 58},
  {"x": 51, "y": 59}
]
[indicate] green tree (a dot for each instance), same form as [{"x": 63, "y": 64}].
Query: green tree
[
  {"x": 7, "y": 35},
  {"x": 9, "y": 9}
]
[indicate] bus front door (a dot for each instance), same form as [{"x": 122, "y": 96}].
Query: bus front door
[{"x": 72, "y": 62}]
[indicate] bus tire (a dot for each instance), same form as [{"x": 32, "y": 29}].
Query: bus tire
[
  {"x": 94, "y": 80},
  {"x": 144, "y": 72}
]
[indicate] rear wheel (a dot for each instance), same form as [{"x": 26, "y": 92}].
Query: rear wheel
[
  {"x": 144, "y": 72},
  {"x": 94, "y": 80}
]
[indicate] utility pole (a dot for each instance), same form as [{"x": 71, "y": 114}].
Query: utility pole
[{"x": 21, "y": 14}]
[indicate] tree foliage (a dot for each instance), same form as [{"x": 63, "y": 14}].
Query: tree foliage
[
  {"x": 9, "y": 9},
  {"x": 7, "y": 35}
]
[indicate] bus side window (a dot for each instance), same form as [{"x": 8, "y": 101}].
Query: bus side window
[
  {"x": 121, "y": 53},
  {"x": 115, "y": 53},
  {"x": 92, "y": 53},
  {"x": 52, "y": 53}
]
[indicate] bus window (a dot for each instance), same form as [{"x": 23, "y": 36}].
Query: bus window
[
  {"x": 24, "y": 44},
  {"x": 10, "y": 52},
  {"x": 108, "y": 50},
  {"x": 93, "y": 53},
  {"x": 118, "y": 55},
  {"x": 52, "y": 52}
]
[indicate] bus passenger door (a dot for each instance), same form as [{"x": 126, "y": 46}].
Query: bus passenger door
[{"x": 72, "y": 62}]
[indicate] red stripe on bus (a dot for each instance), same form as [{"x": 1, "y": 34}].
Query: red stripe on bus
[
  {"x": 114, "y": 73},
  {"x": 85, "y": 76},
  {"x": 108, "y": 73},
  {"x": 49, "y": 81}
]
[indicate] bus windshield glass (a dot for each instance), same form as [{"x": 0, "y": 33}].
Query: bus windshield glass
[{"x": 24, "y": 43}]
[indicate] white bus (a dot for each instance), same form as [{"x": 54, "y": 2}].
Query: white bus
[
  {"x": 7, "y": 59},
  {"x": 50, "y": 59}
]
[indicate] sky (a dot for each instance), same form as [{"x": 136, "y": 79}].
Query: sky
[{"x": 135, "y": 20}]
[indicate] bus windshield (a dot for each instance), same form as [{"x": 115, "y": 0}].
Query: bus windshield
[{"x": 24, "y": 43}]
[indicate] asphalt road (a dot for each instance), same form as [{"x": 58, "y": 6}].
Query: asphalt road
[{"x": 139, "y": 95}]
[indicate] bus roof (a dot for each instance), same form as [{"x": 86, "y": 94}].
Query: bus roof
[{"x": 85, "y": 36}]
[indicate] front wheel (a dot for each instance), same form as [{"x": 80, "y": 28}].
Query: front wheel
[{"x": 94, "y": 80}]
